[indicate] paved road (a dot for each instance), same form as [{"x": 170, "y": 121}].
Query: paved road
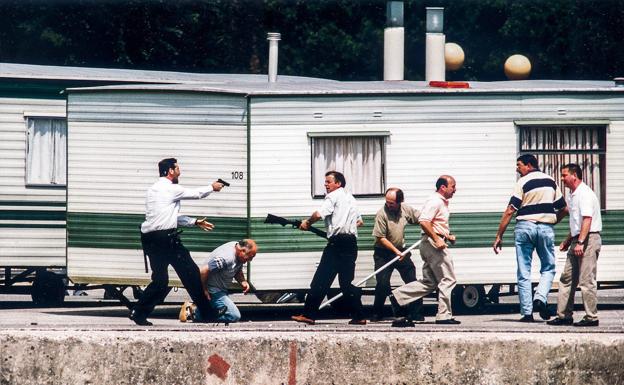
[{"x": 92, "y": 312}]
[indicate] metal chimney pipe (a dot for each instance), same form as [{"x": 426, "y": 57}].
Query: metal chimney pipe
[
  {"x": 273, "y": 38},
  {"x": 435, "y": 67},
  {"x": 394, "y": 42}
]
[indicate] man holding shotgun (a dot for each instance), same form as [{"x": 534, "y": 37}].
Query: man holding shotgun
[
  {"x": 341, "y": 221},
  {"x": 389, "y": 233}
]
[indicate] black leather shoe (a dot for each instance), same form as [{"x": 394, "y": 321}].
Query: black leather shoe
[
  {"x": 450, "y": 321},
  {"x": 560, "y": 321},
  {"x": 527, "y": 318},
  {"x": 540, "y": 306},
  {"x": 586, "y": 322},
  {"x": 139, "y": 319},
  {"x": 402, "y": 322}
]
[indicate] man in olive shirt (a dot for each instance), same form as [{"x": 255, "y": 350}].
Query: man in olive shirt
[{"x": 389, "y": 233}]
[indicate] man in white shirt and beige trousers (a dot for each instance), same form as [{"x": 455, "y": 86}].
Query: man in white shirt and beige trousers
[{"x": 583, "y": 244}]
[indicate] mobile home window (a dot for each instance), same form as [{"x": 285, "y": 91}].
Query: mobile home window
[
  {"x": 46, "y": 151},
  {"x": 359, "y": 158},
  {"x": 555, "y": 146}
]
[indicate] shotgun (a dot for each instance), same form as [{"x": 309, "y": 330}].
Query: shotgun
[{"x": 275, "y": 220}]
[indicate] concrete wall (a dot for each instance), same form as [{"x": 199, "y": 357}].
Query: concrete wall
[{"x": 215, "y": 357}]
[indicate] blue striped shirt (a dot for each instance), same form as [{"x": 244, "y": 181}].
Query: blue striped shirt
[{"x": 537, "y": 198}]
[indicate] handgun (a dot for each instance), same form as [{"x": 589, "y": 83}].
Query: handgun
[{"x": 226, "y": 184}]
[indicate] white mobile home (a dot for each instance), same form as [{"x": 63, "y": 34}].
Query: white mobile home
[
  {"x": 274, "y": 141},
  {"x": 33, "y": 148}
]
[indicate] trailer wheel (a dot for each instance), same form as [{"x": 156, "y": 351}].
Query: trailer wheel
[
  {"x": 48, "y": 289},
  {"x": 469, "y": 298}
]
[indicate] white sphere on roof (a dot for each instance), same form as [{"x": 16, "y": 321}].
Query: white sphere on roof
[
  {"x": 517, "y": 67},
  {"x": 453, "y": 56}
]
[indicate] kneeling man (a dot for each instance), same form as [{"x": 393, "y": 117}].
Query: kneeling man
[{"x": 224, "y": 264}]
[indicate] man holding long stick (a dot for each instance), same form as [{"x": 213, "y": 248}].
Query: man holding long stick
[
  {"x": 389, "y": 233},
  {"x": 341, "y": 221}
]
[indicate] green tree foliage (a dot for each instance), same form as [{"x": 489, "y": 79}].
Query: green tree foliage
[{"x": 339, "y": 39}]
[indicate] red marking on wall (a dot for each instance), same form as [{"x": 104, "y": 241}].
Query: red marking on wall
[
  {"x": 218, "y": 366},
  {"x": 292, "y": 374}
]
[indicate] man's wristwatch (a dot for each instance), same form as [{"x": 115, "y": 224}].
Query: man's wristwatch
[{"x": 579, "y": 242}]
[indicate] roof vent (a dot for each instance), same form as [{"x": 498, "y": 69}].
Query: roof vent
[
  {"x": 394, "y": 41},
  {"x": 434, "y": 45},
  {"x": 273, "y": 38}
]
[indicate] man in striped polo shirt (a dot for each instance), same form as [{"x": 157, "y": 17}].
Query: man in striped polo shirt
[{"x": 539, "y": 205}]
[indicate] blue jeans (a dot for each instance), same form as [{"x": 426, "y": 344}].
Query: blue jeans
[
  {"x": 540, "y": 237},
  {"x": 219, "y": 299}
]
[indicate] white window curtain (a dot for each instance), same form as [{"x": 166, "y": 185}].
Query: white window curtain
[
  {"x": 360, "y": 159},
  {"x": 46, "y": 153}
]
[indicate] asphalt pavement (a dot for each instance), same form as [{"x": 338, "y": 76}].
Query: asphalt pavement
[{"x": 93, "y": 312}]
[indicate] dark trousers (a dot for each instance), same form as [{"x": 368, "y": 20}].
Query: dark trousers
[
  {"x": 338, "y": 259},
  {"x": 165, "y": 248},
  {"x": 406, "y": 269}
]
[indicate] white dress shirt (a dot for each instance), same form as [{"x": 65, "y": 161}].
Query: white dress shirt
[
  {"x": 162, "y": 206},
  {"x": 583, "y": 202},
  {"x": 339, "y": 211}
]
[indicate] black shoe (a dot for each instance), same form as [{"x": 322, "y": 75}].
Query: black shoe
[
  {"x": 541, "y": 307},
  {"x": 450, "y": 321},
  {"x": 586, "y": 322},
  {"x": 403, "y": 322},
  {"x": 139, "y": 319},
  {"x": 560, "y": 321},
  {"x": 527, "y": 318},
  {"x": 397, "y": 310}
]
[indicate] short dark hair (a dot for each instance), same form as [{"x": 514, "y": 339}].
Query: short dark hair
[
  {"x": 442, "y": 181},
  {"x": 529, "y": 159},
  {"x": 337, "y": 177},
  {"x": 165, "y": 164},
  {"x": 399, "y": 194},
  {"x": 574, "y": 169}
]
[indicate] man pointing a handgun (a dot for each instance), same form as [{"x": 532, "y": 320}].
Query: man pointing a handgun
[{"x": 161, "y": 241}]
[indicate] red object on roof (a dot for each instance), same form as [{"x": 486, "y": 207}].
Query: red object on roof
[{"x": 441, "y": 84}]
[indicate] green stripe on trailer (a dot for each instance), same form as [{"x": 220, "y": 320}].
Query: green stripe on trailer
[
  {"x": 473, "y": 230},
  {"x": 32, "y": 204},
  {"x": 121, "y": 231},
  {"x": 31, "y": 215}
]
